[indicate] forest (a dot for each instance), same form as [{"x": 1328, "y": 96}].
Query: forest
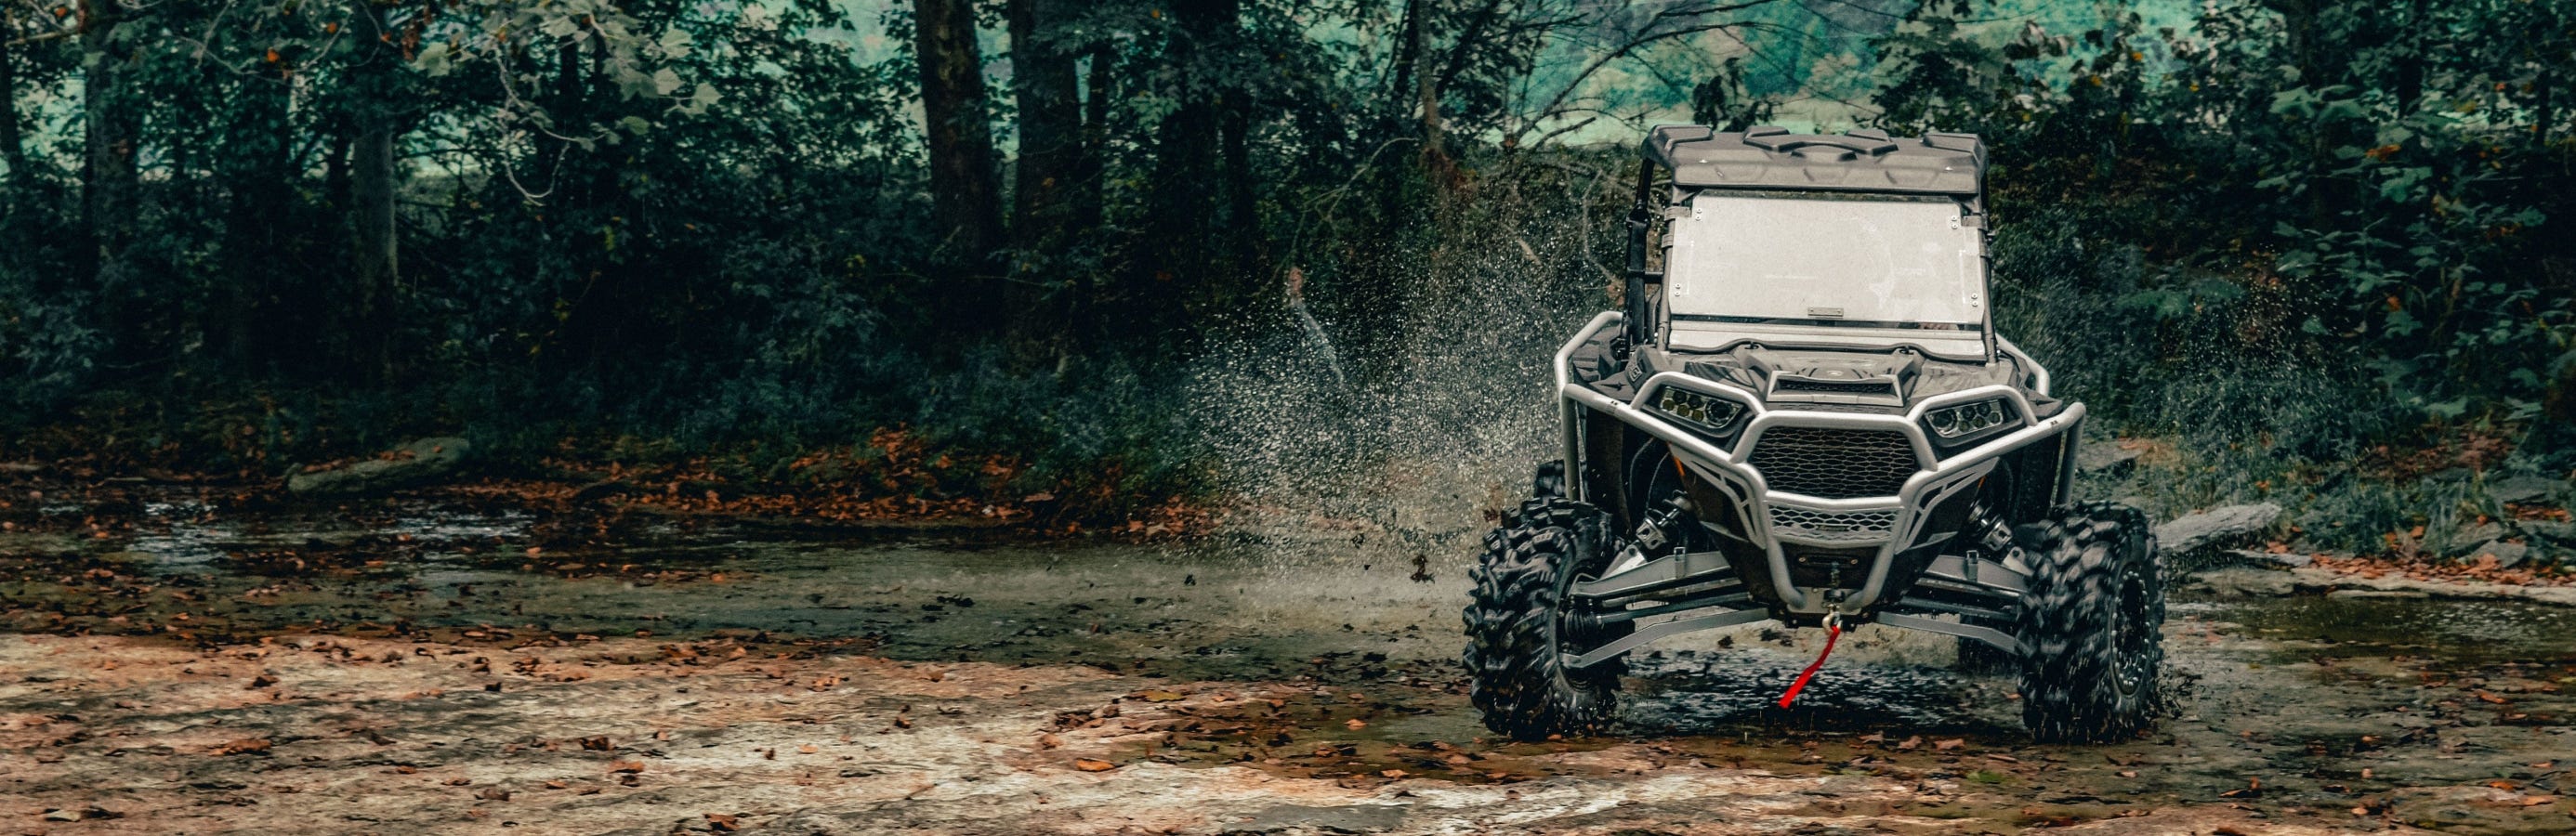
[
  {"x": 816, "y": 417},
  {"x": 2313, "y": 243}
]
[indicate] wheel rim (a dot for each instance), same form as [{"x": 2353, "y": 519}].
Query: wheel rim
[{"x": 2135, "y": 633}]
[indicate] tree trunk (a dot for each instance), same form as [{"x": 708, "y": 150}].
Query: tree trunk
[
  {"x": 965, "y": 191},
  {"x": 1100, "y": 87},
  {"x": 259, "y": 176},
  {"x": 372, "y": 184},
  {"x": 1186, "y": 202},
  {"x": 12, "y": 145},
  {"x": 1242, "y": 214},
  {"x": 1043, "y": 82},
  {"x": 1436, "y": 164},
  {"x": 108, "y": 171}
]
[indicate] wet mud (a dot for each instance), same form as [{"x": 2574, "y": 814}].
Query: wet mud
[{"x": 441, "y": 667}]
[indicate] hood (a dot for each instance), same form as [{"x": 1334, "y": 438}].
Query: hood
[{"x": 1865, "y": 379}]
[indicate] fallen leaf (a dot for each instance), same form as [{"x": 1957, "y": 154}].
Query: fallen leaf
[
  {"x": 1356, "y": 724},
  {"x": 1093, "y": 765},
  {"x": 724, "y": 822},
  {"x": 1952, "y": 743},
  {"x": 628, "y": 767}
]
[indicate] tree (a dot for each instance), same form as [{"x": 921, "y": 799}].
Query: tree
[
  {"x": 1044, "y": 83},
  {"x": 1197, "y": 229},
  {"x": 110, "y": 131},
  {"x": 12, "y": 145},
  {"x": 965, "y": 194},
  {"x": 374, "y": 124}
]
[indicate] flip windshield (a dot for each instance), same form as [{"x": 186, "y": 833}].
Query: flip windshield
[{"x": 1875, "y": 261}]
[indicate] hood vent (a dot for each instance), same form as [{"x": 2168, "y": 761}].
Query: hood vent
[
  {"x": 1884, "y": 387},
  {"x": 1833, "y": 377}
]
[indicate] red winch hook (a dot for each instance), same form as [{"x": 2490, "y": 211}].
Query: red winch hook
[{"x": 1833, "y": 631}]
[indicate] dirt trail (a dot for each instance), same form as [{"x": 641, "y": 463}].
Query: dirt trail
[
  {"x": 427, "y": 672},
  {"x": 322, "y": 733}
]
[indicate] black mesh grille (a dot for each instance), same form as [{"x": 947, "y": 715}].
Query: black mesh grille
[{"x": 1834, "y": 463}]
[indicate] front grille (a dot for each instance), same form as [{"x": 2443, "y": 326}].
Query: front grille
[
  {"x": 1833, "y": 526},
  {"x": 1833, "y": 463}
]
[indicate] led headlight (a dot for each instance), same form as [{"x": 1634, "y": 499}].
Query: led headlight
[
  {"x": 1708, "y": 414},
  {"x": 1966, "y": 419}
]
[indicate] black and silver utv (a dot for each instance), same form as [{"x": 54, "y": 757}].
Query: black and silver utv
[{"x": 1804, "y": 415}]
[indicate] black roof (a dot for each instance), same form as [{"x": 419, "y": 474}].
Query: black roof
[{"x": 1859, "y": 161}]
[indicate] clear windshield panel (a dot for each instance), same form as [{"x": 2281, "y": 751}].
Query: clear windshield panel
[{"x": 1879, "y": 261}]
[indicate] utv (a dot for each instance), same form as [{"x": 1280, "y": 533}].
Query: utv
[{"x": 1806, "y": 416}]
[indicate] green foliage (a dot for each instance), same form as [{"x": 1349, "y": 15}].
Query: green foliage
[{"x": 2290, "y": 229}]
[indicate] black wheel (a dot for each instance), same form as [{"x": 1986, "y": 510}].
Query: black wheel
[
  {"x": 2091, "y": 637},
  {"x": 1518, "y": 622}
]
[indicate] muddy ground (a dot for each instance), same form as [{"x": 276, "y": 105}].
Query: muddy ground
[{"x": 439, "y": 666}]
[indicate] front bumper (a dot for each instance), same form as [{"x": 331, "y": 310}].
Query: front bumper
[{"x": 1777, "y": 518}]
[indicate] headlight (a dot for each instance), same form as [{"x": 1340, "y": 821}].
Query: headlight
[
  {"x": 1707, "y": 413},
  {"x": 1966, "y": 419}
]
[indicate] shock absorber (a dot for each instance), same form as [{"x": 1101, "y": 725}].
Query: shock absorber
[{"x": 1655, "y": 532}]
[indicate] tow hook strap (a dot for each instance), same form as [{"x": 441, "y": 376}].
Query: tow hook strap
[{"x": 1833, "y": 631}]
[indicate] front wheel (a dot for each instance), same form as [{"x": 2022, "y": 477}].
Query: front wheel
[
  {"x": 1517, "y": 625},
  {"x": 2091, "y": 630}
]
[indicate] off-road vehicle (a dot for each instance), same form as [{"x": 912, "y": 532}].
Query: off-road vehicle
[{"x": 1805, "y": 416}]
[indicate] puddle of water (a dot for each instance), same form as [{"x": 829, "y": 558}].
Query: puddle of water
[{"x": 2467, "y": 632}]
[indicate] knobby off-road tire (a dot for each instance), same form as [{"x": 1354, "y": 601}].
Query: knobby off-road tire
[
  {"x": 2091, "y": 640},
  {"x": 1516, "y": 625}
]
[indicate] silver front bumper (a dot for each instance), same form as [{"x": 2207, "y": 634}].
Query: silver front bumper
[{"x": 1774, "y": 518}]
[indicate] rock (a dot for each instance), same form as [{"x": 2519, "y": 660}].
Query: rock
[
  {"x": 2238, "y": 580},
  {"x": 2107, "y": 456},
  {"x": 2507, "y": 553},
  {"x": 411, "y": 464},
  {"x": 2464, "y": 542},
  {"x": 2519, "y": 489},
  {"x": 2251, "y": 557},
  {"x": 2562, "y": 532},
  {"x": 2201, "y": 530}
]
